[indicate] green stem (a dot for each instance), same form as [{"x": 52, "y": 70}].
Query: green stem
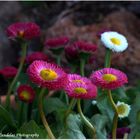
[
  {"x": 58, "y": 60},
  {"x": 62, "y": 93},
  {"x": 29, "y": 111},
  {"x": 71, "y": 105},
  {"x": 85, "y": 119},
  {"x": 64, "y": 96},
  {"x": 24, "y": 47},
  {"x": 42, "y": 114},
  {"x": 115, "y": 119},
  {"x": 73, "y": 69},
  {"x": 82, "y": 65},
  {"x": 67, "y": 99},
  {"x": 108, "y": 58},
  {"x": 20, "y": 117}
]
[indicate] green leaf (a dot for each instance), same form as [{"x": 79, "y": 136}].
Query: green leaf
[
  {"x": 99, "y": 122},
  {"x": 137, "y": 135},
  {"x": 6, "y": 117},
  {"x": 105, "y": 106},
  {"x": 73, "y": 129},
  {"x": 54, "y": 104},
  {"x": 31, "y": 128},
  {"x": 87, "y": 106},
  {"x": 120, "y": 94},
  {"x": 23, "y": 78},
  {"x": 135, "y": 108},
  {"x": 134, "y": 117},
  {"x": 135, "y": 129}
]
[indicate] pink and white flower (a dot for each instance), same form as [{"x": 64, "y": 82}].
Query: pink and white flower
[
  {"x": 47, "y": 75},
  {"x": 109, "y": 78},
  {"x": 80, "y": 87}
]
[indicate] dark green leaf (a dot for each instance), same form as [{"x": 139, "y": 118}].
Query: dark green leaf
[
  {"x": 134, "y": 117},
  {"x": 73, "y": 129},
  {"x": 105, "y": 106},
  {"x": 99, "y": 122},
  {"x": 54, "y": 104},
  {"x": 6, "y": 117},
  {"x": 32, "y": 128},
  {"x": 135, "y": 108},
  {"x": 135, "y": 129},
  {"x": 137, "y": 135}
]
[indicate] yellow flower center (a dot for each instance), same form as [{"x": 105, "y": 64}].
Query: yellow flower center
[
  {"x": 21, "y": 33},
  {"x": 121, "y": 109},
  {"x": 25, "y": 95},
  {"x": 109, "y": 77},
  {"x": 48, "y": 74},
  {"x": 77, "y": 81},
  {"x": 80, "y": 90},
  {"x": 116, "y": 41}
]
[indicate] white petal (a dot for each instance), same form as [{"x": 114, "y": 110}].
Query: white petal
[{"x": 106, "y": 40}]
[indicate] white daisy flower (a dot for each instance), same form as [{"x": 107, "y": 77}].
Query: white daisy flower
[
  {"x": 114, "y": 41},
  {"x": 123, "y": 109}
]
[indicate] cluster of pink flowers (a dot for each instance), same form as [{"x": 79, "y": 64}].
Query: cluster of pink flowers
[
  {"x": 45, "y": 74},
  {"x": 53, "y": 77},
  {"x": 73, "y": 50}
]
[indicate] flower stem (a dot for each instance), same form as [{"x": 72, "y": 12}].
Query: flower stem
[
  {"x": 29, "y": 111},
  {"x": 59, "y": 60},
  {"x": 115, "y": 119},
  {"x": 107, "y": 58},
  {"x": 71, "y": 105},
  {"x": 85, "y": 119},
  {"x": 82, "y": 65},
  {"x": 24, "y": 47},
  {"x": 42, "y": 114},
  {"x": 20, "y": 117},
  {"x": 62, "y": 93}
]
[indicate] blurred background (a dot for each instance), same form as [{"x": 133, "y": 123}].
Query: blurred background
[{"x": 77, "y": 20}]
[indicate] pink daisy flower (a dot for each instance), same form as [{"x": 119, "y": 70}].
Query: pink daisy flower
[
  {"x": 109, "y": 78},
  {"x": 57, "y": 42},
  {"x": 8, "y": 72},
  {"x": 80, "y": 87},
  {"x": 47, "y": 75},
  {"x": 26, "y": 93},
  {"x": 36, "y": 56},
  {"x": 71, "y": 52},
  {"x": 83, "y": 46},
  {"x": 25, "y": 30}
]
